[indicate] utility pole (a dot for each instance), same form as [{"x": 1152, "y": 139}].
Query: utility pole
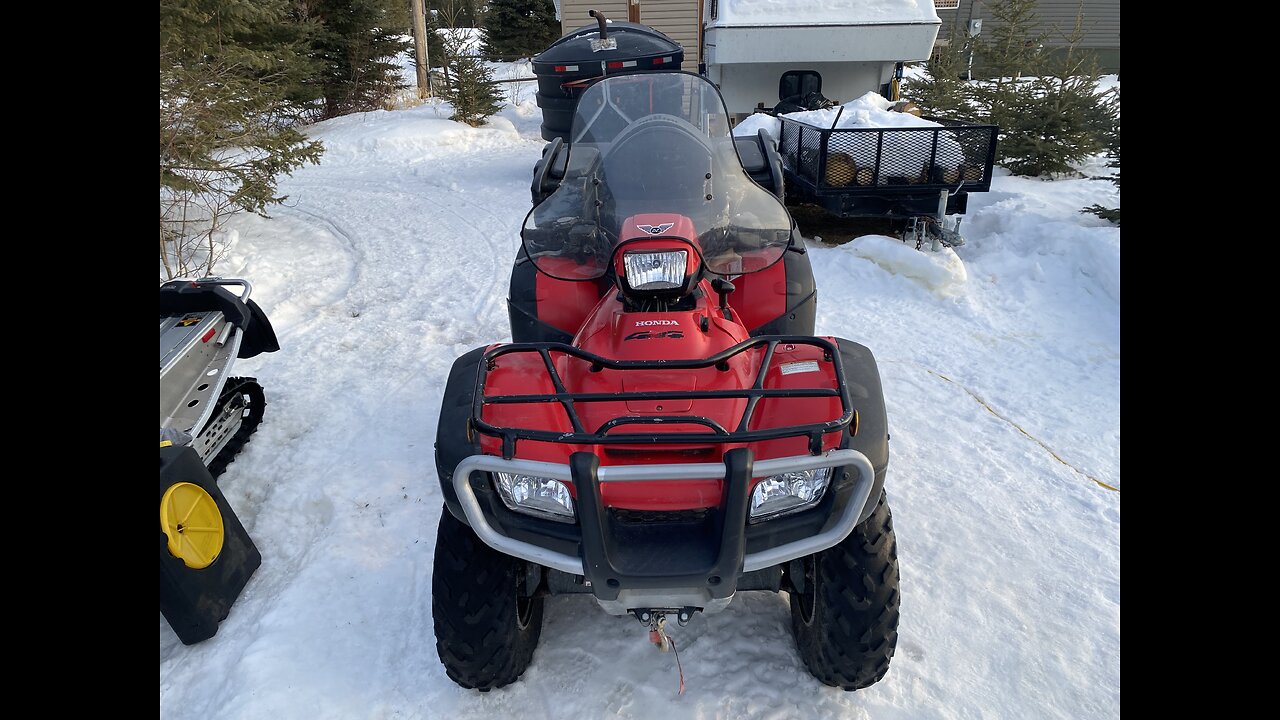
[{"x": 421, "y": 53}]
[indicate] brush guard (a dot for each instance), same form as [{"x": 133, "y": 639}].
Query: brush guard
[{"x": 619, "y": 579}]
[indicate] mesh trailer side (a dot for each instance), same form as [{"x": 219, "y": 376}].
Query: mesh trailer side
[{"x": 845, "y": 159}]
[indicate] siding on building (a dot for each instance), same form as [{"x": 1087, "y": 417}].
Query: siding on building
[
  {"x": 1057, "y": 18},
  {"x": 678, "y": 19},
  {"x": 573, "y": 13}
]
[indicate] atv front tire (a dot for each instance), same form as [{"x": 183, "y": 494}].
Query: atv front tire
[
  {"x": 844, "y": 605},
  {"x": 487, "y": 622}
]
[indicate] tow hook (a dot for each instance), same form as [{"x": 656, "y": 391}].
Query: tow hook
[
  {"x": 656, "y": 621},
  {"x": 658, "y": 632}
]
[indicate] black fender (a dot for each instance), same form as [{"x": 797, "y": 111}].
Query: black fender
[
  {"x": 871, "y": 437},
  {"x": 183, "y": 296},
  {"x": 259, "y": 336},
  {"x": 454, "y": 437},
  {"x": 522, "y": 306}
]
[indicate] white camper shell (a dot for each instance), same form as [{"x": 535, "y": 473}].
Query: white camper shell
[{"x": 854, "y": 46}]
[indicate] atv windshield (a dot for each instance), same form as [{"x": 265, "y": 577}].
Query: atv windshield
[{"x": 654, "y": 143}]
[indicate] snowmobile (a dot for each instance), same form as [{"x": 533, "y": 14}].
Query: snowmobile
[
  {"x": 665, "y": 431},
  {"x": 204, "y": 328},
  {"x": 206, "y": 417}
]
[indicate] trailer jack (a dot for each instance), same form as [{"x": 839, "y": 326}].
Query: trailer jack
[{"x": 933, "y": 228}]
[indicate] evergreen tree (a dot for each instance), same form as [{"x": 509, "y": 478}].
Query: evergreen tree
[
  {"x": 443, "y": 17},
  {"x": 1113, "y": 155},
  {"x": 455, "y": 13},
  {"x": 470, "y": 89},
  {"x": 1054, "y": 117},
  {"x": 356, "y": 42},
  {"x": 232, "y": 87},
  {"x": 517, "y": 29},
  {"x": 940, "y": 91}
]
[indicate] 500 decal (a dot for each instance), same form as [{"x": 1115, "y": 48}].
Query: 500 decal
[{"x": 649, "y": 335}]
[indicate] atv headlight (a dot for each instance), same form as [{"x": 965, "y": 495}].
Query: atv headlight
[
  {"x": 533, "y": 495},
  {"x": 656, "y": 270},
  {"x": 790, "y": 492}
]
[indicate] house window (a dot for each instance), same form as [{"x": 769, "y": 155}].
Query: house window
[{"x": 946, "y": 4}]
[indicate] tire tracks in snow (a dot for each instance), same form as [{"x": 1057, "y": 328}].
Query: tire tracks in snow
[
  {"x": 497, "y": 250},
  {"x": 465, "y": 220},
  {"x": 343, "y": 236},
  {"x": 978, "y": 398},
  {"x": 480, "y": 308}
]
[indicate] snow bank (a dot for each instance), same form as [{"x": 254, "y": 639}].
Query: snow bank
[
  {"x": 869, "y": 111},
  {"x": 1032, "y": 233},
  {"x": 823, "y": 12},
  {"x": 942, "y": 272},
  {"x": 399, "y": 136}
]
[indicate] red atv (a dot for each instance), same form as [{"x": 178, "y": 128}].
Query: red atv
[{"x": 659, "y": 436}]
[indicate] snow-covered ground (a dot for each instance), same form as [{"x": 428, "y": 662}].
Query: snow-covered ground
[{"x": 1001, "y": 368}]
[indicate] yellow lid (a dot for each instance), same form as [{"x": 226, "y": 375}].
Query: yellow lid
[{"x": 190, "y": 518}]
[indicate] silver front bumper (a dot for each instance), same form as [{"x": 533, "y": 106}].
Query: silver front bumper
[{"x": 683, "y": 471}]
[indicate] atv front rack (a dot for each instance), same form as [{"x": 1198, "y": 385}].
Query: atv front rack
[{"x": 718, "y": 434}]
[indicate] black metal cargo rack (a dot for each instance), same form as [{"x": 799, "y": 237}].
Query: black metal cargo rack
[
  {"x": 887, "y": 172},
  {"x": 718, "y": 434}
]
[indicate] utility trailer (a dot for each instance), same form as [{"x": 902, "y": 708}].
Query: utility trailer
[
  {"x": 758, "y": 52},
  {"x": 783, "y": 56},
  {"x": 917, "y": 174}
]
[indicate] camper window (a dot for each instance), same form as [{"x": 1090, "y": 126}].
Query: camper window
[{"x": 799, "y": 83}]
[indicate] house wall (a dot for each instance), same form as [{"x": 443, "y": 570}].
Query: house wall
[
  {"x": 678, "y": 19},
  {"x": 1057, "y": 18}
]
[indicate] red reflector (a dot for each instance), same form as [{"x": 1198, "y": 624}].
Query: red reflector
[{"x": 207, "y": 336}]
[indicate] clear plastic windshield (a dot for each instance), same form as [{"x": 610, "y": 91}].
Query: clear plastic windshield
[{"x": 654, "y": 143}]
